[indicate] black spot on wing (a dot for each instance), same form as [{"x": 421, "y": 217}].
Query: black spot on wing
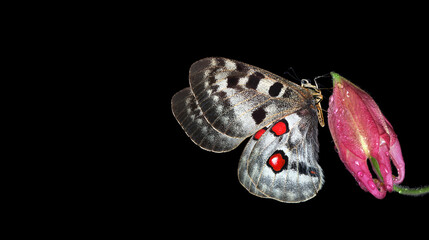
[
  {"x": 254, "y": 80},
  {"x": 275, "y": 89},
  {"x": 220, "y": 62},
  {"x": 259, "y": 115},
  {"x": 240, "y": 67},
  {"x": 211, "y": 79},
  {"x": 302, "y": 168},
  {"x": 232, "y": 81}
]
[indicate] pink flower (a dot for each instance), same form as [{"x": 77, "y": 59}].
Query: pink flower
[{"x": 361, "y": 132}]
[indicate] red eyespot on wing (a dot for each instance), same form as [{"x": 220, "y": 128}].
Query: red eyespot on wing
[
  {"x": 277, "y": 161},
  {"x": 280, "y": 128},
  {"x": 259, "y": 133}
]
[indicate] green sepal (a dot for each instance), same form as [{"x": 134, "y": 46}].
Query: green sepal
[
  {"x": 336, "y": 78},
  {"x": 377, "y": 167}
]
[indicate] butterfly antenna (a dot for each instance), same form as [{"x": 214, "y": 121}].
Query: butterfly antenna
[
  {"x": 327, "y": 75},
  {"x": 291, "y": 72}
]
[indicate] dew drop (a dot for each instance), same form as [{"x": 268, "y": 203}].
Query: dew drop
[
  {"x": 360, "y": 173},
  {"x": 386, "y": 170},
  {"x": 371, "y": 184}
]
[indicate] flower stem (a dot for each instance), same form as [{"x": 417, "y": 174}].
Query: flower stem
[{"x": 411, "y": 191}]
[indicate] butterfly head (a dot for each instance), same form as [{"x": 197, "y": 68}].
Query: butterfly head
[{"x": 318, "y": 97}]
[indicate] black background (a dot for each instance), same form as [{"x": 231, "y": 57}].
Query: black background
[
  {"x": 389, "y": 61},
  {"x": 142, "y": 170}
]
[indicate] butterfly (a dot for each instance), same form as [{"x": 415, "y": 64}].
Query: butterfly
[{"x": 229, "y": 101}]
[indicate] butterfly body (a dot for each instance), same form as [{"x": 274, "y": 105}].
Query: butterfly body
[{"x": 228, "y": 101}]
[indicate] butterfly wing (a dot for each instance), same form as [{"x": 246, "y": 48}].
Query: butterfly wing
[
  {"x": 230, "y": 100},
  {"x": 280, "y": 161},
  {"x": 189, "y": 115},
  {"x": 238, "y": 99}
]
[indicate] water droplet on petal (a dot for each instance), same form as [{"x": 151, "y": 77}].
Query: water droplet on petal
[
  {"x": 371, "y": 184},
  {"x": 360, "y": 173},
  {"x": 386, "y": 170}
]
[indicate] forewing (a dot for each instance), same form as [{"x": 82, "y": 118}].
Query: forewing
[
  {"x": 282, "y": 164},
  {"x": 237, "y": 99}
]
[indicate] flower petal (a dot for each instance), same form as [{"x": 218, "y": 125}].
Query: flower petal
[
  {"x": 398, "y": 161},
  {"x": 358, "y": 167},
  {"x": 375, "y": 188}
]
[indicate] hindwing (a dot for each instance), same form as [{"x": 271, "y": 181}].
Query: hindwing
[
  {"x": 189, "y": 115},
  {"x": 280, "y": 161}
]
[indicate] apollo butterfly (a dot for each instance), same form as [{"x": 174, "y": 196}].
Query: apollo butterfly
[{"x": 228, "y": 101}]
